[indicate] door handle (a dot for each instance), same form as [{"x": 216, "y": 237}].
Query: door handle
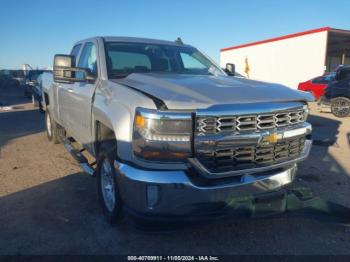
[{"x": 70, "y": 90}]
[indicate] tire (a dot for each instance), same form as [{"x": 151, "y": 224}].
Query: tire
[
  {"x": 107, "y": 186},
  {"x": 52, "y": 129},
  {"x": 340, "y": 106}
]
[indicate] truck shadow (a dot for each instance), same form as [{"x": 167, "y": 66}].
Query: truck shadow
[
  {"x": 15, "y": 124},
  {"x": 321, "y": 171},
  {"x": 12, "y": 96}
]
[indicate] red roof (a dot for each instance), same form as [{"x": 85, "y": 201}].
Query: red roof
[{"x": 278, "y": 38}]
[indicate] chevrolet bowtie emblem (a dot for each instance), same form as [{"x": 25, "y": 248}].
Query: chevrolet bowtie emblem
[{"x": 271, "y": 139}]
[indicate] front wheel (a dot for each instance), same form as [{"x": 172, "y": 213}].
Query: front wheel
[
  {"x": 340, "y": 106},
  {"x": 107, "y": 185}
]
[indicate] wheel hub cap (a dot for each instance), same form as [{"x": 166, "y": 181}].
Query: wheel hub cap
[{"x": 341, "y": 108}]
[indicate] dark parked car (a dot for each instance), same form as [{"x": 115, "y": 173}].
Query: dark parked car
[
  {"x": 7, "y": 81},
  {"x": 30, "y": 82},
  {"x": 18, "y": 75},
  {"x": 317, "y": 85},
  {"x": 337, "y": 94}
]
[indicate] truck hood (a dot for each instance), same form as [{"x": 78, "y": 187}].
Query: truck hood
[{"x": 199, "y": 91}]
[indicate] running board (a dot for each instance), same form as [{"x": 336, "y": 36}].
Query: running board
[{"x": 78, "y": 156}]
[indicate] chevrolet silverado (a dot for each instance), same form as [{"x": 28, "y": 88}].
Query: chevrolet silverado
[{"x": 172, "y": 134}]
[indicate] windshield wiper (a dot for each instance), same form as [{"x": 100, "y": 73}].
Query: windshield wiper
[{"x": 120, "y": 76}]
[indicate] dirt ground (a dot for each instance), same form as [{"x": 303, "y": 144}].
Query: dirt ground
[{"x": 49, "y": 206}]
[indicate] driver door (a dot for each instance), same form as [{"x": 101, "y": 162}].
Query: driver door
[{"x": 82, "y": 95}]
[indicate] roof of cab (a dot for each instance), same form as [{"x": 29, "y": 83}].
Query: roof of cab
[{"x": 133, "y": 40}]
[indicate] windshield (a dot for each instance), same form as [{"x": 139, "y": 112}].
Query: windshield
[
  {"x": 126, "y": 58},
  {"x": 330, "y": 76}
]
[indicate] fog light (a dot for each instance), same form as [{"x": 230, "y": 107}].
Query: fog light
[{"x": 152, "y": 195}]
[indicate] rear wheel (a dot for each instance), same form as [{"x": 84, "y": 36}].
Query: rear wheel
[
  {"x": 107, "y": 186},
  {"x": 51, "y": 128},
  {"x": 340, "y": 106}
]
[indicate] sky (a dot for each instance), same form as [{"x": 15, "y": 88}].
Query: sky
[{"x": 31, "y": 32}]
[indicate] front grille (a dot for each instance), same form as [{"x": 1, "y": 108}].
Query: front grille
[
  {"x": 224, "y": 124},
  {"x": 243, "y": 157}
]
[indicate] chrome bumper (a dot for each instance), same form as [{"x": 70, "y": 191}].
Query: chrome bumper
[{"x": 174, "y": 193}]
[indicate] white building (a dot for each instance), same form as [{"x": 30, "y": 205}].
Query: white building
[{"x": 290, "y": 59}]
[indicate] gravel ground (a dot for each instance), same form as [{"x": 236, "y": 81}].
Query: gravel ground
[{"x": 48, "y": 206}]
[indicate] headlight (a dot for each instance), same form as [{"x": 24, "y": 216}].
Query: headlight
[
  {"x": 306, "y": 109},
  {"x": 162, "y": 135}
]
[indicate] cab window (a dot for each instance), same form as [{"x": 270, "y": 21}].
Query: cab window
[
  {"x": 75, "y": 51},
  {"x": 88, "y": 58}
]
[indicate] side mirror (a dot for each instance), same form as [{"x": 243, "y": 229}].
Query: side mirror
[
  {"x": 64, "y": 70},
  {"x": 61, "y": 68},
  {"x": 230, "y": 69}
]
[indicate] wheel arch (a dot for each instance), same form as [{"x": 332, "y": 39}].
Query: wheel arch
[
  {"x": 341, "y": 96},
  {"x": 104, "y": 133},
  {"x": 46, "y": 100}
]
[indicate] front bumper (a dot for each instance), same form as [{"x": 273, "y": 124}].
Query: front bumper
[{"x": 157, "y": 194}]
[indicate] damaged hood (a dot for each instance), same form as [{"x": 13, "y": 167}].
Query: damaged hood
[{"x": 200, "y": 91}]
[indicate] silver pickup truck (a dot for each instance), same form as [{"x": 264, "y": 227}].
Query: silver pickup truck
[{"x": 173, "y": 134}]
